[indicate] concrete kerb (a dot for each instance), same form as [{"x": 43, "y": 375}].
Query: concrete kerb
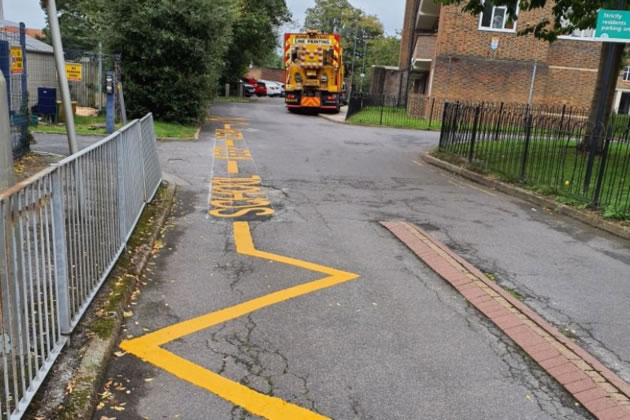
[
  {"x": 86, "y": 380},
  {"x": 575, "y": 369},
  {"x": 584, "y": 216}
]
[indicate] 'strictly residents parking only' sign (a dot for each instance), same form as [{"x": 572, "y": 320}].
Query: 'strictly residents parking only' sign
[{"x": 613, "y": 26}]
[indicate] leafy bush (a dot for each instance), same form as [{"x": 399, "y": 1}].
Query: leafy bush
[{"x": 172, "y": 54}]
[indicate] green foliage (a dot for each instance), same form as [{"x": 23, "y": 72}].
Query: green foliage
[
  {"x": 616, "y": 213},
  {"x": 381, "y": 51},
  {"x": 255, "y": 34},
  {"x": 172, "y": 54},
  {"x": 339, "y": 16},
  {"x": 83, "y": 23},
  {"x": 273, "y": 61}
]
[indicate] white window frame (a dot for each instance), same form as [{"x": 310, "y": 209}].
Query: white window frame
[
  {"x": 513, "y": 30},
  {"x": 626, "y": 74}
]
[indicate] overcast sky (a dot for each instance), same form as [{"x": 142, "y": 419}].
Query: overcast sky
[{"x": 389, "y": 11}]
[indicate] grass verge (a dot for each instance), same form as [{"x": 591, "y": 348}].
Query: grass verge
[
  {"x": 96, "y": 126},
  {"x": 392, "y": 117},
  {"x": 233, "y": 99},
  {"x": 580, "y": 210},
  {"x": 555, "y": 169}
]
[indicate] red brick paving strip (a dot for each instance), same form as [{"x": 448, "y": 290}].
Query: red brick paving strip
[{"x": 597, "y": 388}]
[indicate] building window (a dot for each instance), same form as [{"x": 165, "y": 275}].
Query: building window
[
  {"x": 495, "y": 18},
  {"x": 626, "y": 74}
]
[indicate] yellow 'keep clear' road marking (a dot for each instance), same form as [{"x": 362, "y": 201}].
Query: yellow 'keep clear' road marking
[
  {"x": 232, "y": 167},
  {"x": 148, "y": 347}
]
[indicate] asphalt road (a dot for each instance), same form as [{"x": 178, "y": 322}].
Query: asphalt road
[{"x": 395, "y": 343}]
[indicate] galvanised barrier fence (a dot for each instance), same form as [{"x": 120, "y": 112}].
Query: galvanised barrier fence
[
  {"x": 13, "y": 43},
  {"x": 551, "y": 148},
  {"x": 63, "y": 231},
  {"x": 415, "y": 111}
]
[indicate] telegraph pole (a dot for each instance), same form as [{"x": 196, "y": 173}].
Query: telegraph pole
[{"x": 55, "y": 34}]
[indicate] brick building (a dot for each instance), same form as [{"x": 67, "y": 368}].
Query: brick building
[
  {"x": 450, "y": 54},
  {"x": 263, "y": 73}
]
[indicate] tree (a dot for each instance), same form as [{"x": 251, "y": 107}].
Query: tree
[
  {"x": 172, "y": 54},
  {"x": 255, "y": 34},
  {"x": 567, "y": 16},
  {"x": 339, "y": 16},
  {"x": 381, "y": 51},
  {"x": 273, "y": 61},
  {"x": 83, "y": 23}
]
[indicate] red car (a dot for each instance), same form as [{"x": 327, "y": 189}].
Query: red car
[{"x": 260, "y": 87}]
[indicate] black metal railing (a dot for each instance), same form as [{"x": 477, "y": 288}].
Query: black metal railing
[
  {"x": 414, "y": 111},
  {"x": 553, "y": 149}
]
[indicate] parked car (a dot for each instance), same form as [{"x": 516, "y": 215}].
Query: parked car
[
  {"x": 281, "y": 87},
  {"x": 273, "y": 89},
  {"x": 261, "y": 88},
  {"x": 248, "y": 90}
]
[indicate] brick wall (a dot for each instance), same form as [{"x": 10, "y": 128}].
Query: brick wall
[
  {"x": 425, "y": 46},
  {"x": 425, "y": 107},
  {"x": 385, "y": 81},
  {"x": 273, "y": 75},
  {"x": 467, "y": 68}
]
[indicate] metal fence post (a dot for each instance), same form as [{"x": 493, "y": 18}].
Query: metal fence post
[
  {"x": 382, "y": 109},
  {"x": 528, "y": 134},
  {"x": 602, "y": 167},
  {"x": 122, "y": 205},
  {"x": 59, "y": 249},
  {"x": 431, "y": 114},
  {"x": 498, "y": 129},
  {"x": 444, "y": 126},
  {"x": 123, "y": 108},
  {"x": 471, "y": 152},
  {"x": 564, "y": 109},
  {"x": 7, "y": 175},
  {"x": 24, "y": 110}
]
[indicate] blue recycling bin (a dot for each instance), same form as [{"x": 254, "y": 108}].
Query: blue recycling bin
[{"x": 47, "y": 101}]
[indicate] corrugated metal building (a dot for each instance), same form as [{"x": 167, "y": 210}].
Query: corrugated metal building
[{"x": 41, "y": 71}]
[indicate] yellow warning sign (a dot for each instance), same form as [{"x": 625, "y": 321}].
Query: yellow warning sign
[
  {"x": 17, "y": 60},
  {"x": 74, "y": 72}
]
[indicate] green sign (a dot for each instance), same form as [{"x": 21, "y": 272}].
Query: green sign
[{"x": 613, "y": 26}]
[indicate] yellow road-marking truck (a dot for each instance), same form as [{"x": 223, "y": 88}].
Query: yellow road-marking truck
[{"x": 313, "y": 71}]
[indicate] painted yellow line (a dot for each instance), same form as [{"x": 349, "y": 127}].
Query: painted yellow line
[
  {"x": 148, "y": 347},
  {"x": 232, "y": 167}
]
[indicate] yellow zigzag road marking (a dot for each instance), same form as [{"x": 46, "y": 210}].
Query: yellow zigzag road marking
[{"x": 148, "y": 347}]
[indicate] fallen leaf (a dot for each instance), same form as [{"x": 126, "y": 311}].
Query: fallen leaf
[
  {"x": 127, "y": 314},
  {"x": 148, "y": 379},
  {"x": 119, "y": 353}
]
